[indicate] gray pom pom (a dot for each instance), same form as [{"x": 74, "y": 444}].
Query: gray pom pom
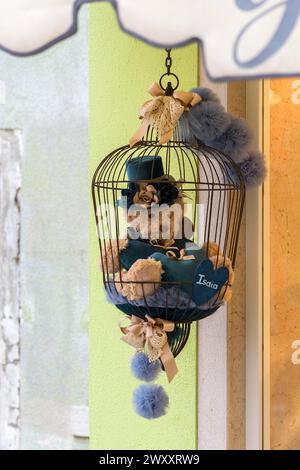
[
  {"x": 150, "y": 401},
  {"x": 253, "y": 169},
  {"x": 208, "y": 120},
  {"x": 143, "y": 369},
  {"x": 235, "y": 141}
]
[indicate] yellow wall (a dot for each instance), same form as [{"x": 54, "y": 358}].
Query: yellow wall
[{"x": 121, "y": 69}]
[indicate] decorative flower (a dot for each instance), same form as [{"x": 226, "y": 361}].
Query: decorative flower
[
  {"x": 168, "y": 193},
  {"x": 127, "y": 195},
  {"x": 146, "y": 197}
]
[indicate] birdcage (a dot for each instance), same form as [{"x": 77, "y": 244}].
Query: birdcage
[
  {"x": 168, "y": 217},
  {"x": 200, "y": 243}
]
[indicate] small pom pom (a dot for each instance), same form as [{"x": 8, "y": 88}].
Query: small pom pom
[
  {"x": 235, "y": 140},
  {"x": 208, "y": 120},
  {"x": 206, "y": 94},
  {"x": 143, "y": 369},
  {"x": 253, "y": 169},
  {"x": 150, "y": 401}
]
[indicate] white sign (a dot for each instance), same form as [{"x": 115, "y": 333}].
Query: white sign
[{"x": 240, "y": 38}]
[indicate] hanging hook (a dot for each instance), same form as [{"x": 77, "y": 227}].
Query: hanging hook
[
  {"x": 169, "y": 89},
  {"x": 168, "y": 61}
]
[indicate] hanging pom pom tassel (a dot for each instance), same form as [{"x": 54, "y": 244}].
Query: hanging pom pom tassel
[
  {"x": 208, "y": 120},
  {"x": 253, "y": 169},
  {"x": 150, "y": 401},
  {"x": 236, "y": 139},
  {"x": 143, "y": 369}
]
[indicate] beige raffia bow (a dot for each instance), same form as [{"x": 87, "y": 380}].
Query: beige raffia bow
[
  {"x": 163, "y": 112},
  {"x": 152, "y": 334}
]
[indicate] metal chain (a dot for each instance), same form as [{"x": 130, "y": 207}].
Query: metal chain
[
  {"x": 168, "y": 61},
  {"x": 169, "y": 89}
]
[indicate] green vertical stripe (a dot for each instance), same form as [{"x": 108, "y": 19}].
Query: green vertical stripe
[{"x": 121, "y": 69}]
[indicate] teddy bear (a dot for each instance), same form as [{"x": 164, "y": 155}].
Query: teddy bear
[
  {"x": 157, "y": 247},
  {"x": 131, "y": 261}
]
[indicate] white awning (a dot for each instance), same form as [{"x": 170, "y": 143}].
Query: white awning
[{"x": 240, "y": 38}]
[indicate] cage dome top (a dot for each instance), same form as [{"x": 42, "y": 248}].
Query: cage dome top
[{"x": 192, "y": 164}]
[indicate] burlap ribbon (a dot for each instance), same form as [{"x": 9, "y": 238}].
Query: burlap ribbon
[
  {"x": 163, "y": 112},
  {"x": 166, "y": 244},
  {"x": 151, "y": 334},
  {"x": 182, "y": 256}
]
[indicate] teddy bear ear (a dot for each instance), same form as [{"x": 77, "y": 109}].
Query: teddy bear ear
[{"x": 110, "y": 256}]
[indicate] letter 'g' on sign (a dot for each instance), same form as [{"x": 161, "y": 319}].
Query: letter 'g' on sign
[{"x": 290, "y": 15}]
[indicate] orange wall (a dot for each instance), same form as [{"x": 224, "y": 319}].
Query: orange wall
[{"x": 285, "y": 262}]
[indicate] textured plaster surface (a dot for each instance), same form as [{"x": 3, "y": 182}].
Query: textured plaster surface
[
  {"x": 10, "y": 308},
  {"x": 46, "y": 96},
  {"x": 284, "y": 267},
  {"x": 119, "y": 78}
]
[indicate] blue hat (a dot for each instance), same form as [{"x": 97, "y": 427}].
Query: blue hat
[{"x": 145, "y": 168}]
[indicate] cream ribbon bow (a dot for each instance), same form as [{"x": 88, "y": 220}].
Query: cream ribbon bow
[
  {"x": 163, "y": 112},
  {"x": 182, "y": 256},
  {"x": 152, "y": 334}
]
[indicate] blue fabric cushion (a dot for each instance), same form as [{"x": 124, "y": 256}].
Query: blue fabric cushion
[
  {"x": 197, "y": 277},
  {"x": 208, "y": 281},
  {"x": 142, "y": 249},
  {"x": 181, "y": 271}
]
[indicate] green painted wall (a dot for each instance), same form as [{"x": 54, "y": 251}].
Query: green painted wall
[{"x": 121, "y": 70}]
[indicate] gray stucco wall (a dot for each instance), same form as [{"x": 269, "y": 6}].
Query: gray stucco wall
[{"x": 46, "y": 97}]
